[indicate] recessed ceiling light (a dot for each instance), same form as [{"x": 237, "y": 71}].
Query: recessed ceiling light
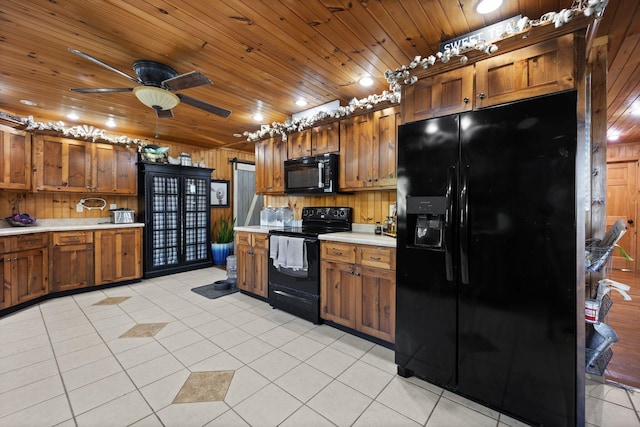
[
  {"x": 301, "y": 102},
  {"x": 27, "y": 102},
  {"x": 366, "y": 81},
  {"x": 110, "y": 122},
  {"x": 635, "y": 112},
  {"x": 258, "y": 117},
  {"x": 488, "y": 6},
  {"x": 72, "y": 116},
  {"x": 613, "y": 136}
]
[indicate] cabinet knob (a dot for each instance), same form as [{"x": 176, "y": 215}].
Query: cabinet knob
[
  {"x": 630, "y": 222},
  {"x": 466, "y": 100},
  {"x": 481, "y": 95}
]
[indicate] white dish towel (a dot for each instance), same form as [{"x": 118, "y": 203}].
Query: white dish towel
[{"x": 296, "y": 256}]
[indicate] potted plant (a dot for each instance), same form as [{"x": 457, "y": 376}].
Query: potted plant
[{"x": 222, "y": 235}]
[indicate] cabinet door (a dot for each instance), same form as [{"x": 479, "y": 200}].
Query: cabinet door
[
  {"x": 384, "y": 148},
  {"x": 196, "y": 217},
  {"x": 445, "y": 93},
  {"x": 71, "y": 267},
  {"x": 114, "y": 169},
  {"x": 117, "y": 255},
  {"x": 62, "y": 165},
  {"x": 539, "y": 69},
  {"x": 338, "y": 293},
  {"x": 5, "y": 281},
  {"x": 270, "y": 156},
  {"x": 325, "y": 138},
  {"x": 245, "y": 267},
  {"x": 15, "y": 159},
  {"x": 260, "y": 285},
  {"x": 299, "y": 144},
  {"x": 376, "y": 302},
  {"x": 356, "y": 134},
  {"x": 29, "y": 274}
]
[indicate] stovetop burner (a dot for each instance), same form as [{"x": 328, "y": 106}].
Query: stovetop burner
[{"x": 320, "y": 220}]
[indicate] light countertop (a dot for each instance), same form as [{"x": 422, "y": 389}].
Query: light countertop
[
  {"x": 360, "y": 238},
  {"x": 45, "y": 225},
  {"x": 362, "y": 234}
]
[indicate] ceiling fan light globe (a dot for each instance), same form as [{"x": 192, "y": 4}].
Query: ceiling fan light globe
[{"x": 156, "y": 98}]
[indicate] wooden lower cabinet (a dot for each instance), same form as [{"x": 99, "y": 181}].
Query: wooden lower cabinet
[
  {"x": 376, "y": 302},
  {"x": 71, "y": 263},
  {"x": 117, "y": 255},
  {"x": 252, "y": 261},
  {"x": 25, "y": 268},
  {"x": 338, "y": 293},
  {"x": 361, "y": 292}
]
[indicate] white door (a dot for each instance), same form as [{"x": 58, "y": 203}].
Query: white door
[{"x": 247, "y": 205}]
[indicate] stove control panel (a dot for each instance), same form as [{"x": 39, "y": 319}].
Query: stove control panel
[{"x": 327, "y": 213}]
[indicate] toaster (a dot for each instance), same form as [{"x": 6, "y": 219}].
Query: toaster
[{"x": 121, "y": 216}]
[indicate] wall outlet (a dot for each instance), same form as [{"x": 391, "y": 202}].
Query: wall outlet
[
  {"x": 79, "y": 207},
  {"x": 113, "y": 207}
]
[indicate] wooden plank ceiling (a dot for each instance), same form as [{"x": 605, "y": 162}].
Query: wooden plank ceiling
[{"x": 262, "y": 55}]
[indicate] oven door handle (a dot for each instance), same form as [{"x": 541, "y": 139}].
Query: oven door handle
[{"x": 288, "y": 295}]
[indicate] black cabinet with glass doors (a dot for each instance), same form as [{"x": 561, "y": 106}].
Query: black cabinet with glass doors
[{"x": 174, "y": 204}]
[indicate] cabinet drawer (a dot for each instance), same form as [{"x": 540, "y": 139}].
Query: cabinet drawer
[
  {"x": 243, "y": 238},
  {"x": 341, "y": 252},
  {"x": 377, "y": 256},
  {"x": 260, "y": 240},
  {"x": 72, "y": 238},
  {"x": 31, "y": 241}
]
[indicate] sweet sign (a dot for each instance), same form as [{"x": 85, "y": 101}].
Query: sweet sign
[{"x": 487, "y": 34}]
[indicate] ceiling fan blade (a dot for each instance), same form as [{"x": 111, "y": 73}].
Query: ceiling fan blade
[
  {"x": 186, "y": 81},
  {"x": 102, "y": 64},
  {"x": 102, "y": 90},
  {"x": 164, "y": 114},
  {"x": 219, "y": 111}
]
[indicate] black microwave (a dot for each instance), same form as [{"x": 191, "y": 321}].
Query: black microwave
[{"x": 314, "y": 175}]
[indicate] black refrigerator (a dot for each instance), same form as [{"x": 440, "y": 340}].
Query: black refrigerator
[{"x": 486, "y": 258}]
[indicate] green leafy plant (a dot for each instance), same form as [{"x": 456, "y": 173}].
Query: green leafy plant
[
  {"x": 222, "y": 230},
  {"x": 623, "y": 253}
]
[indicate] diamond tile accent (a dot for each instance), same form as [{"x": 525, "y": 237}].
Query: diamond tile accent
[
  {"x": 144, "y": 330},
  {"x": 205, "y": 386},
  {"x": 111, "y": 301}
]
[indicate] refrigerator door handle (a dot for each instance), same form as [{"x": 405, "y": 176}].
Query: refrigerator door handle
[
  {"x": 448, "y": 225},
  {"x": 464, "y": 227}
]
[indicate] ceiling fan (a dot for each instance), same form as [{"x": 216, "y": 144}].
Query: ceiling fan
[{"x": 157, "y": 83}]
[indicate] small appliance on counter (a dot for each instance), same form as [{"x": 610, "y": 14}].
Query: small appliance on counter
[{"x": 121, "y": 216}]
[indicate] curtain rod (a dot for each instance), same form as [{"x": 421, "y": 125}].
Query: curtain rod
[{"x": 246, "y": 162}]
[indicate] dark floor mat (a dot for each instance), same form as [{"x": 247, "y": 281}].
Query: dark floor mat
[{"x": 213, "y": 290}]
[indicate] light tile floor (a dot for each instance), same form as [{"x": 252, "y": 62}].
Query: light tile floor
[{"x": 62, "y": 363}]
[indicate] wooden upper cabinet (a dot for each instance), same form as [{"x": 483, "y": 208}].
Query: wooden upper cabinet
[
  {"x": 325, "y": 138},
  {"x": 270, "y": 156},
  {"x": 61, "y": 164},
  {"x": 535, "y": 70},
  {"x": 446, "y": 93},
  {"x": 299, "y": 144},
  {"x": 68, "y": 165},
  {"x": 114, "y": 169},
  {"x": 368, "y": 150},
  {"x": 321, "y": 139},
  {"x": 540, "y": 69},
  {"x": 384, "y": 166},
  {"x": 357, "y": 137},
  {"x": 15, "y": 159}
]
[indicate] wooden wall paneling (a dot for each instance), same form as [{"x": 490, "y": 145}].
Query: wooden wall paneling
[{"x": 368, "y": 206}]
